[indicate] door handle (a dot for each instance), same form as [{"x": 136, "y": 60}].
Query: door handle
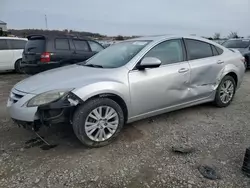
[
  {"x": 182, "y": 70},
  {"x": 220, "y": 62}
]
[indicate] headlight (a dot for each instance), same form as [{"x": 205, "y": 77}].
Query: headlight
[{"x": 47, "y": 97}]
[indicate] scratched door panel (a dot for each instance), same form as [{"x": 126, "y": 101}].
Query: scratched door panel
[
  {"x": 205, "y": 68},
  {"x": 158, "y": 88},
  {"x": 204, "y": 73}
]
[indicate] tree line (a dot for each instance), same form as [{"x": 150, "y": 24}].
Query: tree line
[
  {"x": 26, "y": 32},
  {"x": 232, "y": 35}
]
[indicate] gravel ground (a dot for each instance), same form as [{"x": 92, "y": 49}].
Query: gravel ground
[{"x": 140, "y": 157}]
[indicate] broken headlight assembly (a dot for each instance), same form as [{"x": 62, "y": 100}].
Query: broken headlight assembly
[{"x": 48, "y": 97}]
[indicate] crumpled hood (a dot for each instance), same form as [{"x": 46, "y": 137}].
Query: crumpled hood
[{"x": 73, "y": 76}]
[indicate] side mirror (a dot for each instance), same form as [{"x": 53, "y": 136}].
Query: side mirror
[{"x": 149, "y": 62}]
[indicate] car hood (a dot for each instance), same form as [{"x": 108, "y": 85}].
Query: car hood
[{"x": 68, "y": 77}]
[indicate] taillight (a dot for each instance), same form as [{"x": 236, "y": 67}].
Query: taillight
[{"x": 45, "y": 57}]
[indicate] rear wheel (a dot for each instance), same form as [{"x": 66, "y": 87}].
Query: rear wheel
[
  {"x": 98, "y": 122},
  {"x": 18, "y": 66},
  {"x": 225, "y": 92}
]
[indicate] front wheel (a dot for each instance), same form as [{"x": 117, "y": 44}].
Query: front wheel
[
  {"x": 225, "y": 92},
  {"x": 98, "y": 122}
]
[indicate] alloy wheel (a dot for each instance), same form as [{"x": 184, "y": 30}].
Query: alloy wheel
[
  {"x": 226, "y": 91},
  {"x": 101, "y": 123}
]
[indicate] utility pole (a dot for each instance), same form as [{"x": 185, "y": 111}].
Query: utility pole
[{"x": 46, "y": 22}]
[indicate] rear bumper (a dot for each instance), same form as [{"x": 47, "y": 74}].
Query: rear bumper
[{"x": 36, "y": 67}]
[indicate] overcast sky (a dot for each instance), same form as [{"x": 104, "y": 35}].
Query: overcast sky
[{"x": 131, "y": 17}]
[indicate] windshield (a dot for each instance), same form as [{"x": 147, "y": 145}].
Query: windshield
[
  {"x": 236, "y": 43},
  {"x": 116, "y": 55}
]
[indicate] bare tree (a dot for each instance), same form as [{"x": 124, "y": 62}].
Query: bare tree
[
  {"x": 216, "y": 36},
  {"x": 233, "y": 35}
]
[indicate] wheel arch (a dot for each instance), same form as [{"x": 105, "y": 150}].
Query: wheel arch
[
  {"x": 237, "y": 72},
  {"x": 117, "y": 91},
  {"x": 118, "y": 99},
  {"x": 18, "y": 59},
  {"x": 234, "y": 76},
  {"x": 15, "y": 63}
]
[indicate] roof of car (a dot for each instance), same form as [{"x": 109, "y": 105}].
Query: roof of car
[
  {"x": 57, "y": 36},
  {"x": 165, "y": 37},
  {"x": 15, "y": 38},
  {"x": 155, "y": 37}
]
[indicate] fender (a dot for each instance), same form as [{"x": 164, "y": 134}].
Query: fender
[
  {"x": 230, "y": 68},
  {"x": 105, "y": 87}
]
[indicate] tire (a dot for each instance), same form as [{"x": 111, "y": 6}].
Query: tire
[
  {"x": 18, "y": 66},
  {"x": 84, "y": 114},
  {"x": 218, "y": 96}
]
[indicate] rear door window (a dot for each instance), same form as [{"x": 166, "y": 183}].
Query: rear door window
[
  {"x": 81, "y": 45},
  {"x": 215, "y": 52},
  {"x": 62, "y": 44},
  {"x": 95, "y": 47},
  {"x": 36, "y": 45},
  {"x": 198, "y": 49},
  {"x": 17, "y": 44},
  {"x": 3, "y": 45},
  {"x": 219, "y": 50}
]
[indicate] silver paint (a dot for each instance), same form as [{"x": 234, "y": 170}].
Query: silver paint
[{"x": 145, "y": 92}]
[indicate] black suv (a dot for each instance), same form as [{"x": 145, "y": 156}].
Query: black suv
[{"x": 47, "y": 52}]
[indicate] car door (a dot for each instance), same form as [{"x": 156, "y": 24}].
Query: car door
[
  {"x": 82, "y": 50},
  {"x": 63, "y": 53},
  {"x": 6, "y": 55},
  {"x": 154, "y": 89},
  {"x": 205, "y": 67}
]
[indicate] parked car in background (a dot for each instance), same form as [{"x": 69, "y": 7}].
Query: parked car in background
[
  {"x": 243, "y": 45},
  {"x": 128, "y": 81},
  {"x": 11, "y": 49},
  {"x": 47, "y": 52},
  {"x": 106, "y": 45}
]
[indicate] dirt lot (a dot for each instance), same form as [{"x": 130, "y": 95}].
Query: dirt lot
[{"x": 141, "y": 157}]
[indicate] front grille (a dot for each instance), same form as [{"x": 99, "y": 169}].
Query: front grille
[{"x": 16, "y": 95}]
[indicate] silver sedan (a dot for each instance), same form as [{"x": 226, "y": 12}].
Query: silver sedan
[{"x": 128, "y": 81}]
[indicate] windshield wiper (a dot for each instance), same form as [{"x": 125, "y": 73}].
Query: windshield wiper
[{"x": 93, "y": 65}]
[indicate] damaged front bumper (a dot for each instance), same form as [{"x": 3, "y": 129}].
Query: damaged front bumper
[
  {"x": 55, "y": 112},
  {"x": 58, "y": 111}
]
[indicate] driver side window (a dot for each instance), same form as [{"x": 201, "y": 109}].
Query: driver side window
[{"x": 168, "y": 52}]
